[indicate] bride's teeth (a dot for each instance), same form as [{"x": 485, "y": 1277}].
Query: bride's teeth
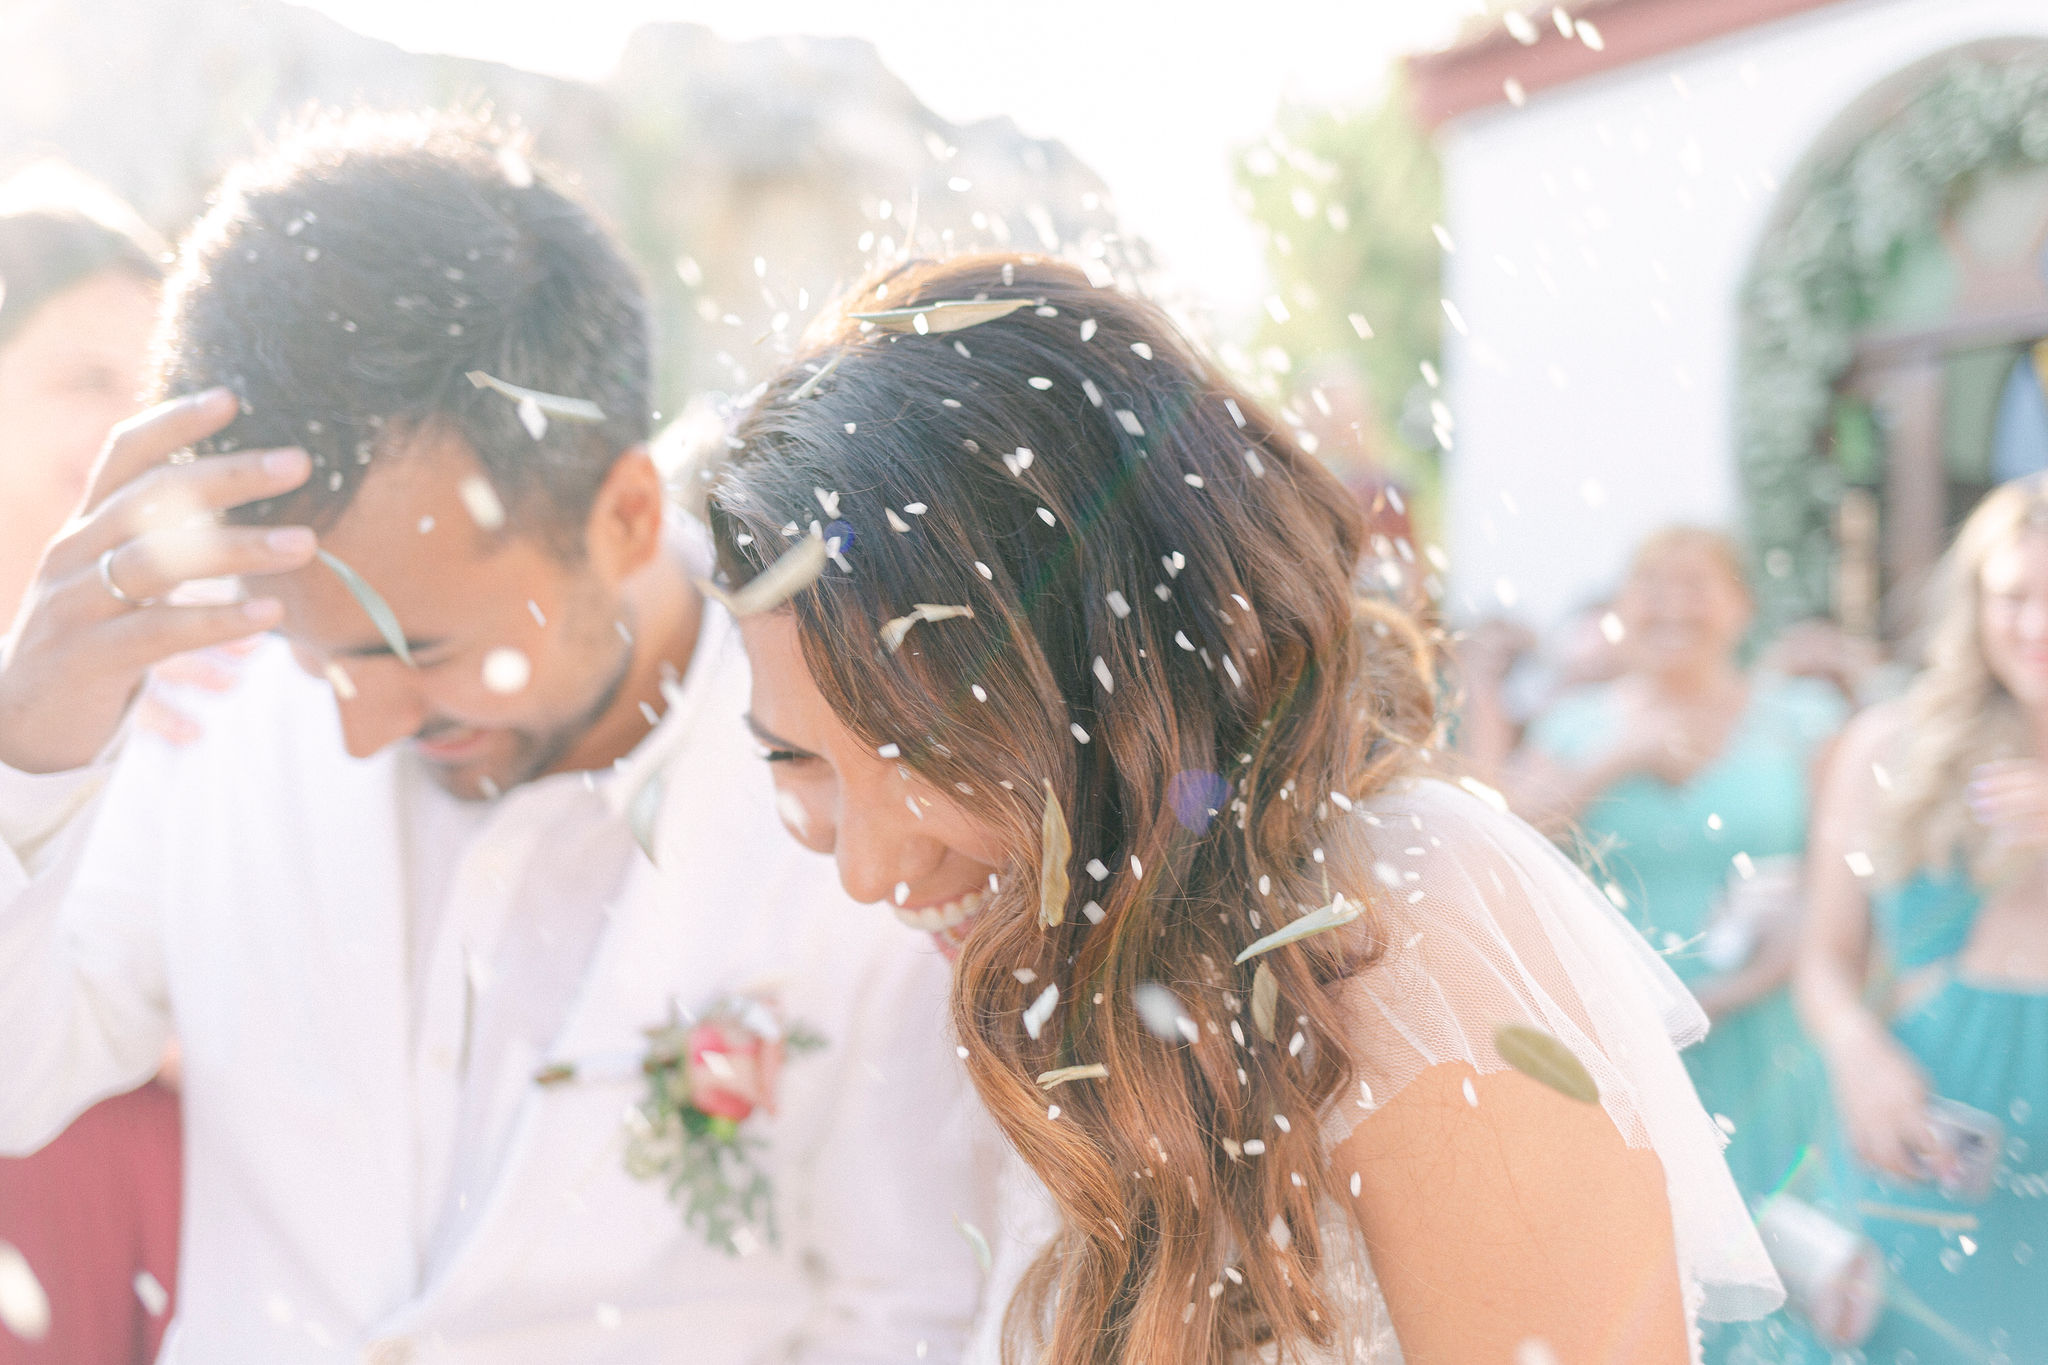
[{"x": 939, "y": 918}]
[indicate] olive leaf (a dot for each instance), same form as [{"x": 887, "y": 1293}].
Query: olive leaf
[
  {"x": 898, "y": 627},
  {"x": 810, "y": 386},
  {"x": 1541, "y": 1057},
  {"x": 1055, "y": 850},
  {"x": 374, "y": 606},
  {"x": 1089, "y": 1071},
  {"x": 553, "y": 404},
  {"x": 1335, "y": 915},
  {"x": 794, "y": 570},
  {"x": 641, "y": 812},
  {"x": 949, "y": 315},
  {"x": 982, "y": 1255},
  {"x": 1265, "y": 1001}
]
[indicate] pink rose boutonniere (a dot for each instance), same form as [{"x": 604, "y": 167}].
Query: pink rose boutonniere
[{"x": 706, "y": 1079}]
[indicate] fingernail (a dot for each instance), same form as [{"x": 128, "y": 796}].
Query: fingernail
[
  {"x": 290, "y": 540},
  {"x": 283, "y": 463},
  {"x": 263, "y": 610}
]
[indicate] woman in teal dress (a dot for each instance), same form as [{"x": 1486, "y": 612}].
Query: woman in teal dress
[
  {"x": 1924, "y": 973},
  {"x": 1685, "y": 782}
]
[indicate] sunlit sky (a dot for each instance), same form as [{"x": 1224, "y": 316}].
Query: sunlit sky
[{"x": 1153, "y": 96}]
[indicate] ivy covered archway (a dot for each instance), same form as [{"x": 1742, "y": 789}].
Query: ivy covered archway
[{"x": 1816, "y": 273}]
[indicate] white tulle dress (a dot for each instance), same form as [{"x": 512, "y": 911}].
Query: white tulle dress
[{"x": 1486, "y": 923}]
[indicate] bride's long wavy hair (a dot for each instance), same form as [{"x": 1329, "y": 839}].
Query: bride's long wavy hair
[
  {"x": 1164, "y": 638},
  {"x": 1958, "y": 713}
]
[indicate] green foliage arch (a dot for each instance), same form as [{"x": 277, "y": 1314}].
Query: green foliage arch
[{"x": 1818, "y": 270}]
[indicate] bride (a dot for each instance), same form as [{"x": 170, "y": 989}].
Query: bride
[{"x": 1315, "y": 1057}]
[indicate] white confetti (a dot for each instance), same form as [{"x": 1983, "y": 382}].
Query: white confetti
[
  {"x": 1102, "y": 675},
  {"x": 507, "y": 670},
  {"x": 1159, "y": 1010},
  {"x": 152, "y": 1294},
  {"x": 532, "y": 418},
  {"x": 480, "y": 500},
  {"x": 24, "y": 1307},
  {"x": 1041, "y": 1010},
  {"x": 1117, "y": 605},
  {"x": 1130, "y": 422},
  {"x": 337, "y": 678}
]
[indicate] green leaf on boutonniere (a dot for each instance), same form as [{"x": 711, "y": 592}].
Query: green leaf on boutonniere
[{"x": 374, "y": 606}]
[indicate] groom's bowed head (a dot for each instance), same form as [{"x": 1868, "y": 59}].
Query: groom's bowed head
[{"x": 418, "y": 372}]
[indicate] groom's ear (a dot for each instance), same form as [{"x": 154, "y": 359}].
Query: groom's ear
[{"x": 623, "y": 532}]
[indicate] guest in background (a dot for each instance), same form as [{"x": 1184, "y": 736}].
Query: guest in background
[
  {"x": 95, "y": 1213},
  {"x": 1508, "y": 675},
  {"x": 1687, "y": 778},
  {"x": 1924, "y": 970}
]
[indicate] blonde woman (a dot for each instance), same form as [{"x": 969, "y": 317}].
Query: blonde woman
[{"x": 1924, "y": 971}]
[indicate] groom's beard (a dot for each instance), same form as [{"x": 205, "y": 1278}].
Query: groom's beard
[{"x": 523, "y": 755}]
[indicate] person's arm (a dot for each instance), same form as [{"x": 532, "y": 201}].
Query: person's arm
[
  {"x": 1487, "y": 735},
  {"x": 1522, "y": 1217},
  {"x": 1768, "y": 968},
  {"x": 1880, "y": 1091},
  {"x": 1551, "y": 792},
  {"x": 82, "y": 1000},
  {"x": 81, "y": 979}
]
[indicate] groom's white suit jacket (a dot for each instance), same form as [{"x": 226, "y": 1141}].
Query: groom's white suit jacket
[{"x": 372, "y": 1172}]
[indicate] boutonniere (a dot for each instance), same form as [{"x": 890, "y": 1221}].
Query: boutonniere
[{"x": 706, "y": 1079}]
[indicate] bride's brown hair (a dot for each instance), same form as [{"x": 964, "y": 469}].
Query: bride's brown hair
[{"x": 1164, "y": 632}]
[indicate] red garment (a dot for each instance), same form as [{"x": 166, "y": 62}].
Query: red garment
[{"x": 91, "y": 1212}]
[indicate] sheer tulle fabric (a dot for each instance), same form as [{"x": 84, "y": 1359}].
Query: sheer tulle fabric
[{"x": 1487, "y": 924}]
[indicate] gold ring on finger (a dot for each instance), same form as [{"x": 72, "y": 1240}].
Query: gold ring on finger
[{"x": 114, "y": 589}]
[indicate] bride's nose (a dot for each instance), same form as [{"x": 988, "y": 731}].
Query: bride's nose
[{"x": 880, "y": 842}]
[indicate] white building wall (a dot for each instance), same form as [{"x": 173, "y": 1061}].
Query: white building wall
[{"x": 1602, "y": 235}]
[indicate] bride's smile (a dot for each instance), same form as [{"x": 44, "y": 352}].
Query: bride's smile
[{"x": 897, "y": 838}]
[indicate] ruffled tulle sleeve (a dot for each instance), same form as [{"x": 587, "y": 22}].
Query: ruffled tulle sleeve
[{"x": 1486, "y": 924}]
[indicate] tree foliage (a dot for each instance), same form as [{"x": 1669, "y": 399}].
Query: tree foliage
[{"x": 1348, "y": 202}]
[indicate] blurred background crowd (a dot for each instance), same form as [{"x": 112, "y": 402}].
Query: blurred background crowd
[{"x": 1689, "y": 356}]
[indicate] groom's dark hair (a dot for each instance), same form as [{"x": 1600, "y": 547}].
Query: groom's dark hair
[{"x": 347, "y": 283}]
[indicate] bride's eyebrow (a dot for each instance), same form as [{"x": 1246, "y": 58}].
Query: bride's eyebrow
[{"x": 771, "y": 739}]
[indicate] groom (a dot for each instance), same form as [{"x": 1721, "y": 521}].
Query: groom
[{"x": 415, "y": 906}]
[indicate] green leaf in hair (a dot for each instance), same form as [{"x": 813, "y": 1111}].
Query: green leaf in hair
[{"x": 374, "y": 606}]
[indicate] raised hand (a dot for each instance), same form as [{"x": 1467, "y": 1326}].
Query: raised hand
[
  {"x": 2010, "y": 799},
  {"x": 97, "y": 618}
]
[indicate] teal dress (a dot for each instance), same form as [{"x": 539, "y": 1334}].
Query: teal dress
[
  {"x": 1666, "y": 853},
  {"x": 1969, "y": 1279}
]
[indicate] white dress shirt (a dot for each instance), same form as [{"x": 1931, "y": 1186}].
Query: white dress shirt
[{"x": 365, "y": 975}]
